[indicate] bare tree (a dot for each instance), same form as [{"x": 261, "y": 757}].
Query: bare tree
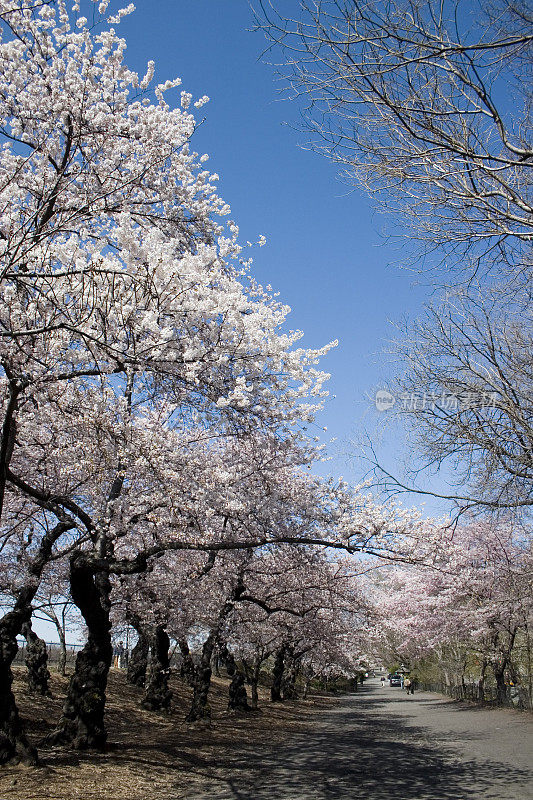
[
  {"x": 467, "y": 398},
  {"x": 427, "y": 105}
]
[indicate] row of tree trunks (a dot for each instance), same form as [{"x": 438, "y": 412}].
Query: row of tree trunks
[
  {"x": 285, "y": 673},
  {"x": 199, "y": 674},
  {"x": 82, "y": 722}
]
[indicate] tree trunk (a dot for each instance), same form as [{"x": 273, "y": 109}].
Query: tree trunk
[
  {"x": 36, "y": 662},
  {"x": 481, "y": 682},
  {"x": 254, "y": 700},
  {"x": 200, "y": 708},
  {"x": 62, "y": 660},
  {"x": 157, "y": 695},
  {"x": 201, "y": 682},
  {"x": 277, "y": 675},
  {"x": 255, "y": 671},
  {"x": 501, "y": 689},
  {"x": 82, "y": 724},
  {"x": 14, "y": 746},
  {"x": 138, "y": 661},
  {"x": 187, "y": 664},
  {"x": 238, "y": 699},
  {"x": 291, "y": 674},
  {"x": 216, "y": 663},
  {"x": 60, "y": 627}
]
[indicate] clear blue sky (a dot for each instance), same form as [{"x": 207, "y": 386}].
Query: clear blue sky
[{"x": 326, "y": 254}]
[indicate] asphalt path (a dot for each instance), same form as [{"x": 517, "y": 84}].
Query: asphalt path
[{"x": 382, "y": 744}]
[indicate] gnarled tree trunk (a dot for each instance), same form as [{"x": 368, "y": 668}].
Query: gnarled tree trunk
[
  {"x": 292, "y": 667},
  {"x": 14, "y": 745},
  {"x": 201, "y": 682},
  {"x": 82, "y": 724},
  {"x": 277, "y": 675},
  {"x": 501, "y": 689},
  {"x": 187, "y": 663},
  {"x": 481, "y": 682},
  {"x": 252, "y": 674},
  {"x": 36, "y": 662},
  {"x": 157, "y": 695},
  {"x": 238, "y": 699},
  {"x": 138, "y": 660}
]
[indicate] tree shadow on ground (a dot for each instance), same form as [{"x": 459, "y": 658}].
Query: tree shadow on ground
[
  {"x": 356, "y": 756},
  {"x": 355, "y": 748}
]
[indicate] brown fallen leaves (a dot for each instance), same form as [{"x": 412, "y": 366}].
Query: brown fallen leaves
[{"x": 150, "y": 755}]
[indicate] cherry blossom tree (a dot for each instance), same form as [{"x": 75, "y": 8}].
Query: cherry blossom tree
[
  {"x": 117, "y": 280},
  {"x": 467, "y": 606}
]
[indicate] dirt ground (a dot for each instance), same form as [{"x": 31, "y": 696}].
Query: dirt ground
[{"x": 151, "y": 756}]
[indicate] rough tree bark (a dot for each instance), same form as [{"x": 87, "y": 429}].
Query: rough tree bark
[
  {"x": 200, "y": 677},
  {"x": 62, "y": 660},
  {"x": 501, "y": 689},
  {"x": 82, "y": 724},
  {"x": 500, "y": 666},
  {"x": 238, "y": 699},
  {"x": 187, "y": 663},
  {"x": 14, "y": 746},
  {"x": 157, "y": 695},
  {"x": 254, "y": 696},
  {"x": 292, "y": 667},
  {"x": 138, "y": 661},
  {"x": 277, "y": 675},
  {"x": 36, "y": 662},
  {"x": 252, "y": 674}
]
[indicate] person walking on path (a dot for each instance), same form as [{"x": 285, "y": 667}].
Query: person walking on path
[
  {"x": 407, "y": 685},
  {"x": 118, "y": 654}
]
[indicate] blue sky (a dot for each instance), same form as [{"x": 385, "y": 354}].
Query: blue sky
[{"x": 328, "y": 254}]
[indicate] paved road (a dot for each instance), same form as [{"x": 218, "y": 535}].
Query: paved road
[{"x": 384, "y": 745}]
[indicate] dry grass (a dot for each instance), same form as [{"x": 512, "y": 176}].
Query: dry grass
[{"x": 155, "y": 756}]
